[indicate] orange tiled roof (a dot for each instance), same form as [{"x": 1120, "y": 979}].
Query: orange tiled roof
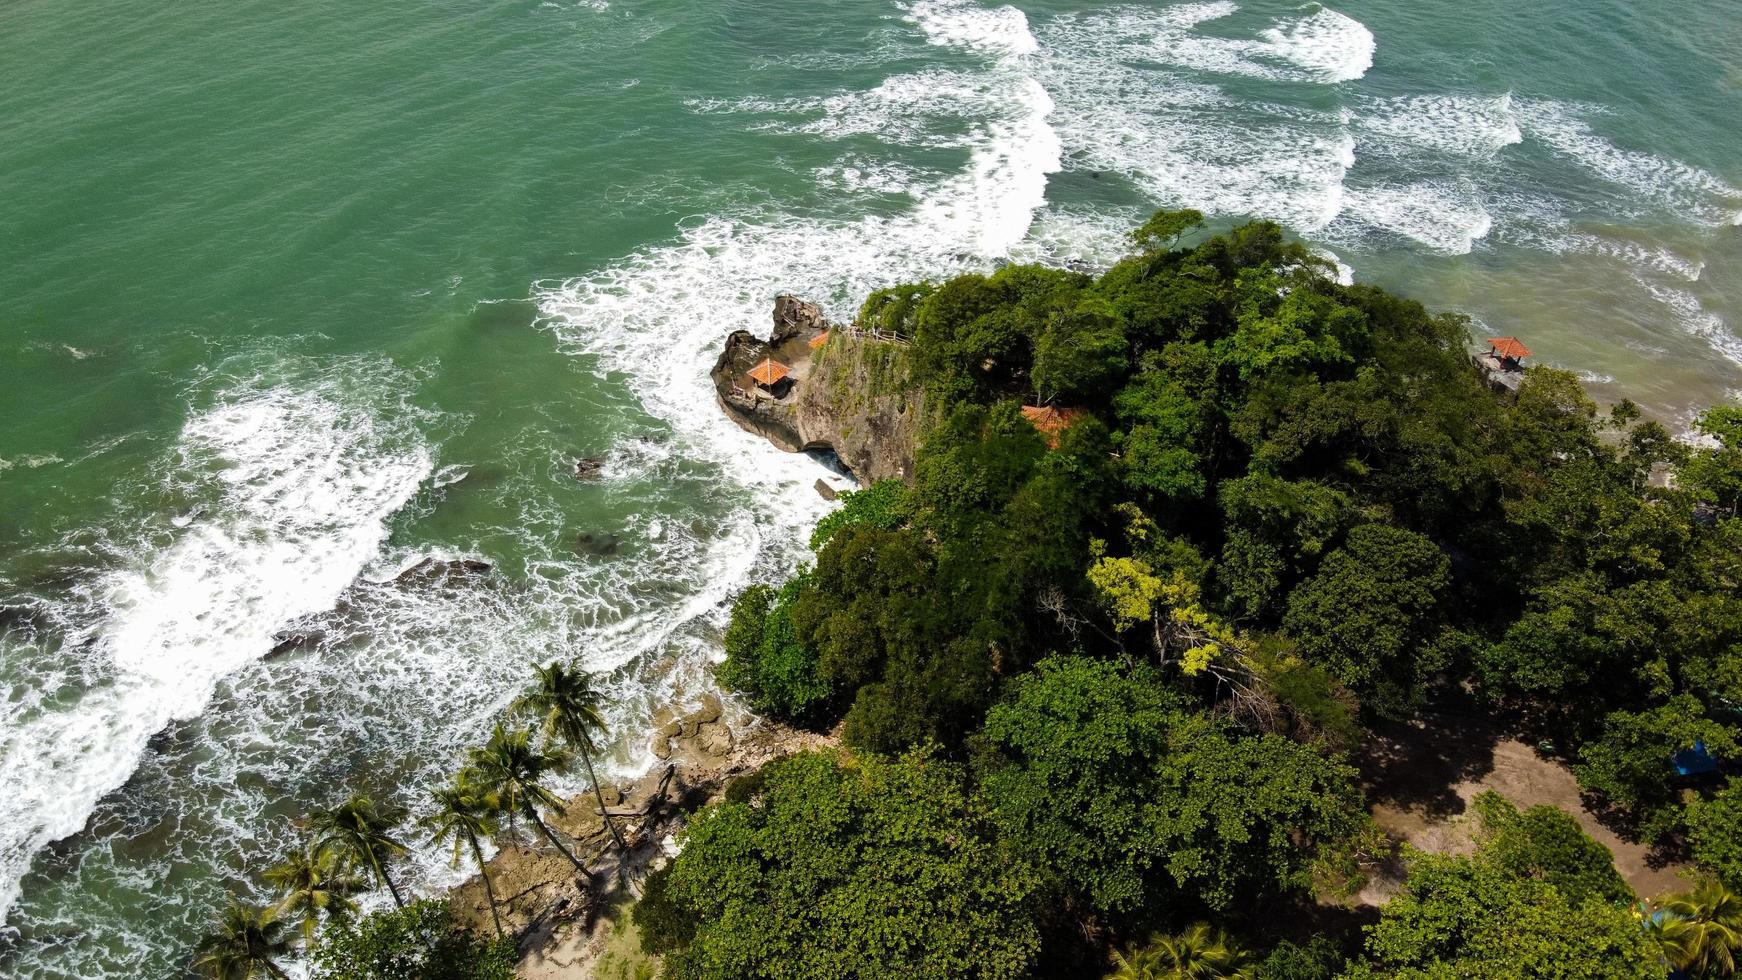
[
  {"x": 769, "y": 372},
  {"x": 1509, "y": 347},
  {"x": 819, "y": 340},
  {"x": 1050, "y": 422}
]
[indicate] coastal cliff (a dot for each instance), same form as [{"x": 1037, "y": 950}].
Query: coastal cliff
[{"x": 843, "y": 390}]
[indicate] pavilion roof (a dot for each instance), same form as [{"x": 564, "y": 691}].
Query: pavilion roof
[
  {"x": 819, "y": 340},
  {"x": 769, "y": 372},
  {"x": 1509, "y": 347},
  {"x": 1050, "y": 422}
]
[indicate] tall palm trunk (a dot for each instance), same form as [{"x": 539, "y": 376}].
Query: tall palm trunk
[
  {"x": 385, "y": 878},
  {"x": 489, "y": 889},
  {"x": 598, "y": 794},
  {"x": 532, "y": 814}
]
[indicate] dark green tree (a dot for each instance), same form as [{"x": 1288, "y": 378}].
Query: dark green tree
[
  {"x": 851, "y": 867},
  {"x": 1102, "y": 777},
  {"x": 314, "y": 882},
  {"x": 468, "y": 818},
  {"x": 418, "y": 942},
  {"x": 1367, "y": 613}
]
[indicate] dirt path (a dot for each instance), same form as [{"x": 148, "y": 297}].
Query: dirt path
[{"x": 1423, "y": 775}]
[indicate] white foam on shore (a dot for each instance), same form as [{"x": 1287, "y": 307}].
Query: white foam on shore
[{"x": 299, "y": 485}]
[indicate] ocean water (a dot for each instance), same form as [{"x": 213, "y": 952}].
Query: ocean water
[{"x": 293, "y": 296}]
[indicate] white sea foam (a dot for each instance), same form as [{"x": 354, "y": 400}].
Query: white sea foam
[
  {"x": 1454, "y": 125},
  {"x": 1687, "y": 191},
  {"x": 1185, "y": 143},
  {"x": 998, "y": 31},
  {"x": 1322, "y": 46},
  {"x": 1332, "y": 46},
  {"x": 301, "y": 484},
  {"x": 1446, "y": 217},
  {"x": 1695, "y": 318}
]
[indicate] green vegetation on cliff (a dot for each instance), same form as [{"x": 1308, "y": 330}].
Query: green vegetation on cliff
[{"x": 1176, "y": 535}]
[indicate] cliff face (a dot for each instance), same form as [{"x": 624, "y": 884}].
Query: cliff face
[{"x": 850, "y": 394}]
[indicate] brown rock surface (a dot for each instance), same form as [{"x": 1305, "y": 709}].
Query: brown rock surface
[{"x": 852, "y": 395}]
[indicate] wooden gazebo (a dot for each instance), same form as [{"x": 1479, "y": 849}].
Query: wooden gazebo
[
  {"x": 769, "y": 373},
  {"x": 1050, "y": 422},
  {"x": 1508, "y": 351}
]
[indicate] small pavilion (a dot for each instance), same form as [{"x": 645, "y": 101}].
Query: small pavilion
[
  {"x": 769, "y": 374},
  {"x": 1509, "y": 351},
  {"x": 1050, "y": 422},
  {"x": 819, "y": 340}
]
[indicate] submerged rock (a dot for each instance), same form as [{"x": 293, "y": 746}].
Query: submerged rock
[
  {"x": 291, "y": 640},
  {"x": 435, "y": 571}
]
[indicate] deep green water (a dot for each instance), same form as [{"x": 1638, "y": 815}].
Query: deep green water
[{"x": 294, "y": 295}]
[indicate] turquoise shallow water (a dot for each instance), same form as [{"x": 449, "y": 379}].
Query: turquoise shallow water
[{"x": 293, "y": 296}]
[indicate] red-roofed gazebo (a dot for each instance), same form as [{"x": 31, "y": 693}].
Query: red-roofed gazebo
[
  {"x": 768, "y": 373},
  {"x": 1510, "y": 348}
]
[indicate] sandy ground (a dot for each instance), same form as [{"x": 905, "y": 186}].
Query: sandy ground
[{"x": 1423, "y": 775}]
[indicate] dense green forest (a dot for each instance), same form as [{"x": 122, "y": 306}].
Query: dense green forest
[{"x": 1099, "y": 685}]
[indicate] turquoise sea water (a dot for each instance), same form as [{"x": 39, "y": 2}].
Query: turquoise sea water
[{"x": 295, "y": 295}]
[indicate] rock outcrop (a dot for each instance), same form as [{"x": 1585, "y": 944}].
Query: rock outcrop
[{"x": 846, "y": 392}]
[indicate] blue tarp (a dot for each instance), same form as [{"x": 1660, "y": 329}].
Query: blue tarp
[{"x": 1695, "y": 761}]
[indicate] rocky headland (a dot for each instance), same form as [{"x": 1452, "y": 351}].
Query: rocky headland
[{"x": 844, "y": 391}]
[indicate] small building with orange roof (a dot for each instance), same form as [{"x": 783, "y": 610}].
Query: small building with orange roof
[
  {"x": 769, "y": 373},
  {"x": 1051, "y": 422}
]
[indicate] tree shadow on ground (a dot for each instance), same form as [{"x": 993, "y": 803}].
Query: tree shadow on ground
[{"x": 1415, "y": 765}]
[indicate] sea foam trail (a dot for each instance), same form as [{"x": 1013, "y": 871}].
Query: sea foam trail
[
  {"x": 662, "y": 312},
  {"x": 299, "y": 487},
  {"x": 1323, "y": 46}
]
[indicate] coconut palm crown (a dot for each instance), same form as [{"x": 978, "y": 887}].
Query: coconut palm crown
[
  {"x": 362, "y": 833},
  {"x": 247, "y": 944},
  {"x": 568, "y": 706}
]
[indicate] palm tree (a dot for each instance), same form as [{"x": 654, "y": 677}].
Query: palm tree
[
  {"x": 512, "y": 769},
  {"x": 363, "y": 834},
  {"x": 465, "y": 813},
  {"x": 247, "y": 942},
  {"x": 570, "y": 708},
  {"x": 1701, "y": 930},
  {"x": 1199, "y": 953},
  {"x": 313, "y": 880}
]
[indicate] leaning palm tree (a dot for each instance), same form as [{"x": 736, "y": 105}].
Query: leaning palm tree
[
  {"x": 1199, "y": 953},
  {"x": 313, "y": 881},
  {"x": 466, "y": 814},
  {"x": 569, "y": 706},
  {"x": 247, "y": 944},
  {"x": 362, "y": 833},
  {"x": 512, "y": 769},
  {"x": 1701, "y": 930}
]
